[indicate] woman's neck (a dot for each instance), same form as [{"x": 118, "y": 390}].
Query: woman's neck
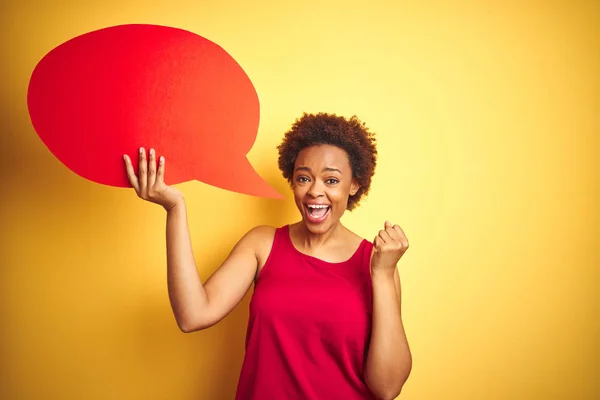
[{"x": 310, "y": 240}]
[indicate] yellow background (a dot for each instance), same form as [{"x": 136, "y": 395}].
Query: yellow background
[{"x": 487, "y": 115}]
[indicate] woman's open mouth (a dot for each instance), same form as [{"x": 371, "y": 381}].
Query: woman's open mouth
[{"x": 316, "y": 213}]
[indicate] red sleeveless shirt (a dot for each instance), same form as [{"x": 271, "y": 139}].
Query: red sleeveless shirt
[{"x": 309, "y": 327}]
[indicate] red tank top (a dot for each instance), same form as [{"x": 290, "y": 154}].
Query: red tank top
[{"x": 309, "y": 327}]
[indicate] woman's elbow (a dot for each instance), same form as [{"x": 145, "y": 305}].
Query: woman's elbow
[
  {"x": 387, "y": 389},
  {"x": 189, "y": 326},
  {"x": 387, "y": 393},
  {"x": 185, "y": 328}
]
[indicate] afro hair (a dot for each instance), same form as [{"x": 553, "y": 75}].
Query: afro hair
[{"x": 351, "y": 135}]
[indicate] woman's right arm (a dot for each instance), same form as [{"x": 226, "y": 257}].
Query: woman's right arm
[{"x": 195, "y": 306}]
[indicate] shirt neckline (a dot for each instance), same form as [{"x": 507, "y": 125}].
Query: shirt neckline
[{"x": 291, "y": 243}]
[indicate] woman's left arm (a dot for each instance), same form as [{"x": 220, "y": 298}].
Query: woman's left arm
[{"x": 389, "y": 359}]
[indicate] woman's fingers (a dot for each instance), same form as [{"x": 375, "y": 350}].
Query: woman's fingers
[
  {"x": 150, "y": 175},
  {"x": 143, "y": 173},
  {"x": 385, "y": 236},
  {"x": 149, "y": 184},
  {"x": 401, "y": 235},
  {"x": 152, "y": 169},
  {"x": 133, "y": 180},
  {"x": 160, "y": 175}
]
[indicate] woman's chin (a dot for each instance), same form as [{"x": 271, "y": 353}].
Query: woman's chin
[{"x": 319, "y": 227}]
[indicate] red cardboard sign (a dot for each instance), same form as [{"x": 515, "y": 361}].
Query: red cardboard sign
[{"x": 108, "y": 92}]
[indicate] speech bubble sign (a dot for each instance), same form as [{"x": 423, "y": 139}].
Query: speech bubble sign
[{"x": 108, "y": 92}]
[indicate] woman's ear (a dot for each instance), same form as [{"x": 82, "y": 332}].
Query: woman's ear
[{"x": 354, "y": 186}]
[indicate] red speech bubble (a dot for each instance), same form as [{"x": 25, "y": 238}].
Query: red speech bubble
[{"x": 108, "y": 92}]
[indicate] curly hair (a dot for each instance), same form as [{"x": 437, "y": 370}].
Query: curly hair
[{"x": 351, "y": 135}]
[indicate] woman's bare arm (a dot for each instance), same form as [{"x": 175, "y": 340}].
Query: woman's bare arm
[
  {"x": 389, "y": 360},
  {"x": 196, "y": 306}
]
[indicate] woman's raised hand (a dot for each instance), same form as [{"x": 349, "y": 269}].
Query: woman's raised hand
[{"x": 150, "y": 184}]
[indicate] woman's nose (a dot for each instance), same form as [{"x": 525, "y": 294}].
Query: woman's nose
[{"x": 316, "y": 189}]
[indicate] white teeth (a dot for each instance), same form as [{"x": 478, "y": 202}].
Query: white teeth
[{"x": 317, "y": 206}]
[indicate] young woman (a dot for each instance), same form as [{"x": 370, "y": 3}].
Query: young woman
[{"x": 325, "y": 316}]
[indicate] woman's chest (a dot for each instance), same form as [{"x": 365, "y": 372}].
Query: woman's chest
[{"x": 308, "y": 298}]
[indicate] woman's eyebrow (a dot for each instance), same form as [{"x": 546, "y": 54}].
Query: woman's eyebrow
[{"x": 326, "y": 169}]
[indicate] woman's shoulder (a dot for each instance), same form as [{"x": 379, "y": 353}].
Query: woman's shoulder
[
  {"x": 260, "y": 236},
  {"x": 354, "y": 238},
  {"x": 261, "y": 239},
  {"x": 262, "y": 231},
  {"x": 361, "y": 244}
]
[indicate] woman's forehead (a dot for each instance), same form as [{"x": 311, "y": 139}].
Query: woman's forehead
[{"x": 323, "y": 156}]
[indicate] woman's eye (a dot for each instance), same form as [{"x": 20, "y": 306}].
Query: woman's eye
[
  {"x": 302, "y": 179},
  {"x": 332, "y": 181}
]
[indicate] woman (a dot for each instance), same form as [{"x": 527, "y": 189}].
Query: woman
[{"x": 325, "y": 316}]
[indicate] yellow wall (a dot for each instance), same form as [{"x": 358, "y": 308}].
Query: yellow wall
[{"x": 488, "y": 124}]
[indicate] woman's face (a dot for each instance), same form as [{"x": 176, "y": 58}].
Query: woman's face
[{"x": 322, "y": 183}]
